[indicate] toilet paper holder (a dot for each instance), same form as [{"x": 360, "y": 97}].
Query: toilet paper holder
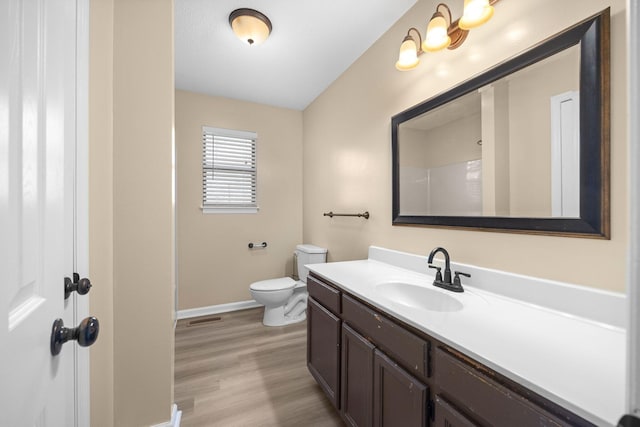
[{"x": 257, "y": 245}]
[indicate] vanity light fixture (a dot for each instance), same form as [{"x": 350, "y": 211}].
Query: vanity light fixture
[
  {"x": 437, "y": 36},
  {"x": 409, "y": 51},
  {"x": 476, "y": 13},
  {"x": 442, "y": 32},
  {"x": 251, "y": 26}
]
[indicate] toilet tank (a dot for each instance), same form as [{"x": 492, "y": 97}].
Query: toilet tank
[{"x": 309, "y": 254}]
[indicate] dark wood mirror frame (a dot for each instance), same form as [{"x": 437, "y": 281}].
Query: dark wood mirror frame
[{"x": 593, "y": 36}]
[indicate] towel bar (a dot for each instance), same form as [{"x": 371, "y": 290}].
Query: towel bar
[{"x": 364, "y": 215}]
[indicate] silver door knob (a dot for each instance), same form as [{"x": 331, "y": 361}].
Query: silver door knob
[{"x": 86, "y": 334}]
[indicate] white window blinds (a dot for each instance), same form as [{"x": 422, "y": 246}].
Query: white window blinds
[{"x": 228, "y": 171}]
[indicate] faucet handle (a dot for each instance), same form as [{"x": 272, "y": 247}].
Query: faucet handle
[
  {"x": 438, "y": 273},
  {"x": 456, "y": 277}
]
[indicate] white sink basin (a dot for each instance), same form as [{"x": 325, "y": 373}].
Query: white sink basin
[{"x": 418, "y": 297}]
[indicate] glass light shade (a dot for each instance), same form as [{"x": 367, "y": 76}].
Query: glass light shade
[
  {"x": 476, "y": 13},
  {"x": 408, "y": 58},
  {"x": 250, "y": 29},
  {"x": 437, "y": 37}
]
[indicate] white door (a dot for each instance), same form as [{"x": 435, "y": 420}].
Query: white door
[
  {"x": 37, "y": 212},
  {"x": 565, "y": 155}
]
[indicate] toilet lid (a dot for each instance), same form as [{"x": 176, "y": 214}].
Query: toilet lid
[
  {"x": 274, "y": 284},
  {"x": 311, "y": 249}
]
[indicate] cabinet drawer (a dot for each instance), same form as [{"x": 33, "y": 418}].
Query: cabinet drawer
[
  {"x": 325, "y": 294},
  {"x": 408, "y": 349},
  {"x": 485, "y": 399}
]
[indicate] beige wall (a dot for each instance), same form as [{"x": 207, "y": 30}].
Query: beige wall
[
  {"x": 101, "y": 208},
  {"x": 412, "y": 149},
  {"x": 131, "y": 212},
  {"x": 214, "y": 263},
  {"x": 530, "y": 91},
  {"x": 453, "y": 142},
  {"x": 347, "y": 156}
]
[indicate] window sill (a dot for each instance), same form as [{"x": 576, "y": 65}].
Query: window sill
[{"x": 229, "y": 210}]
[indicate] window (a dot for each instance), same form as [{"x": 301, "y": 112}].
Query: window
[{"x": 228, "y": 171}]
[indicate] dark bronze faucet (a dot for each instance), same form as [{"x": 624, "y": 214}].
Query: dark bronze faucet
[{"x": 446, "y": 283}]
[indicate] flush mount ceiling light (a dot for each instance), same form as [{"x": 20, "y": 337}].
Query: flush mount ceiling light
[
  {"x": 251, "y": 26},
  {"x": 442, "y": 32}
]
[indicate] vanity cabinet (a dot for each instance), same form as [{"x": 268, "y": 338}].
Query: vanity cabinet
[{"x": 379, "y": 371}]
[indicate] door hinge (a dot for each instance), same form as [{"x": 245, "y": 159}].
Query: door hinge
[
  {"x": 429, "y": 370},
  {"x": 431, "y": 410}
]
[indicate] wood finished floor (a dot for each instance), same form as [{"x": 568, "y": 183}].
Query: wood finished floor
[{"x": 237, "y": 372}]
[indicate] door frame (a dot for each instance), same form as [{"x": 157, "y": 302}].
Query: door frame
[
  {"x": 633, "y": 275},
  {"x": 82, "y": 389}
]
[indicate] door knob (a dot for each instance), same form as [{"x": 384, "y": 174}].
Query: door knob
[
  {"x": 86, "y": 334},
  {"x": 82, "y": 286}
]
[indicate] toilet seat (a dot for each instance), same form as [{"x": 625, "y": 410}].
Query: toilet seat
[{"x": 280, "y": 284}]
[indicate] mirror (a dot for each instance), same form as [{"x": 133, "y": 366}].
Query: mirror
[{"x": 523, "y": 147}]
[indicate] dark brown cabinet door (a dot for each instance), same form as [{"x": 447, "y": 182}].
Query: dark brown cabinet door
[
  {"x": 323, "y": 349},
  {"x": 399, "y": 399},
  {"x": 357, "y": 378},
  {"x": 448, "y": 416}
]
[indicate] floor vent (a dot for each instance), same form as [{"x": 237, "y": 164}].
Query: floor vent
[{"x": 203, "y": 320}]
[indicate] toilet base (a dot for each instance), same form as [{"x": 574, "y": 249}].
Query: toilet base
[
  {"x": 275, "y": 316},
  {"x": 282, "y": 306}
]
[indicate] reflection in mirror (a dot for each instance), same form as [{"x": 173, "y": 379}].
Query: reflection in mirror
[
  {"x": 509, "y": 148},
  {"x": 522, "y": 147}
]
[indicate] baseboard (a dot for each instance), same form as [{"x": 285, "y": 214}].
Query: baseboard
[
  {"x": 176, "y": 416},
  {"x": 217, "y": 309}
]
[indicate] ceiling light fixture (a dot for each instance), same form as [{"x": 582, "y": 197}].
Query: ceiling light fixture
[
  {"x": 442, "y": 32},
  {"x": 251, "y": 26}
]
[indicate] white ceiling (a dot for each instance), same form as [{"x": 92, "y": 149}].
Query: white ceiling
[{"x": 311, "y": 44}]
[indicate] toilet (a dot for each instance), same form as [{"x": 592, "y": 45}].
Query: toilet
[{"x": 284, "y": 299}]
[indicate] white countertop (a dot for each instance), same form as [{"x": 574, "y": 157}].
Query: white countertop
[{"x": 573, "y": 361}]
